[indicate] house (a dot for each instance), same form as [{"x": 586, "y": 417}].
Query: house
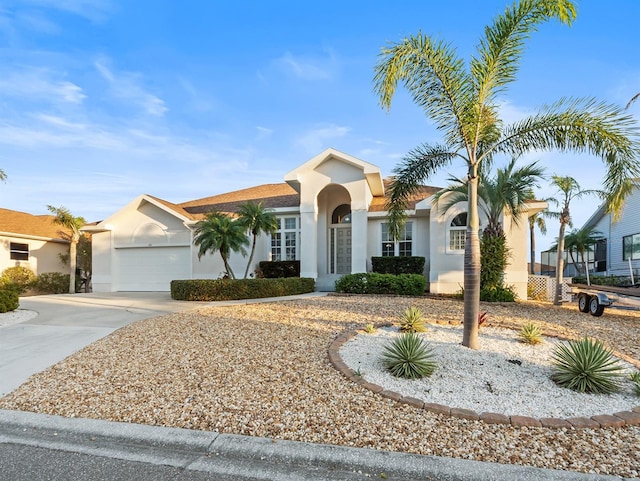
[
  {"x": 618, "y": 253},
  {"x": 32, "y": 241},
  {"x": 332, "y": 218}
]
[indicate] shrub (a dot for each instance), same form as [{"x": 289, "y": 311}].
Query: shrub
[
  {"x": 398, "y": 265},
  {"x": 494, "y": 256},
  {"x": 586, "y": 366},
  {"x": 407, "y": 356},
  {"x": 18, "y": 276},
  {"x": 412, "y": 320},
  {"x": 233, "y": 289},
  {"x": 498, "y": 294},
  {"x": 530, "y": 334},
  {"x": 9, "y": 299},
  {"x": 52, "y": 283},
  {"x": 276, "y": 269},
  {"x": 603, "y": 280},
  {"x": 373, "y": 283},
  {"x": 369, "y": 329}
]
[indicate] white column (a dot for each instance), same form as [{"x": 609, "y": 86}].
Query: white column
[
  {"x": 308, "y": 241},
  {"x": 358, "y": 241}
]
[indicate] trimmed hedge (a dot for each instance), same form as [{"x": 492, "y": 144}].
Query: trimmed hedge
[
  {"x": 277, "y": 269},
  {"x": 375, "y": 283},
  {"x": 234, "y": 289},
  {"x": 52, "y": 283},
  {"x": 398, "y": 265},
  {"x": 9, "y": 300},
  {"x": 617, "y": 281}
]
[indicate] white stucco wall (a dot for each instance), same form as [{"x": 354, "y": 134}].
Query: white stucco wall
[{"x": 43, "y": 254}]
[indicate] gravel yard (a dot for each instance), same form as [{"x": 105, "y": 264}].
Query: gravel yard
[{"x": 262, "y": 370}]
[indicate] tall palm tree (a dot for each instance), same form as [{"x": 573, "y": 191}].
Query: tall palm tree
[
  {"x": 219, "y": 232},
  {"x": 463, "y": 103},
  {"x": 257, "y": 220},
  {"x": 569, "y": 189},
  {"x": 73, "y": 224},
  {"x": 579, "y": 241}
]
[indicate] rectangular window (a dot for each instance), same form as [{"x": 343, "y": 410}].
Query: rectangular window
[
  {"x": 402, "y": 247},
  {"x": 457, "y": 239},
  {"x": 631, "y": 247},
  {"x": 288, "y": 233},
  {"x": 18, "y": 252}
]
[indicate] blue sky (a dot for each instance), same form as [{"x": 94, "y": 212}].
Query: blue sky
[{"x": 103, "y": 100}]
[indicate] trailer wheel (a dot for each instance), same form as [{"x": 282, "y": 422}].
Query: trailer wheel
[
  {"x": 583, "y": 302},
  {"x": 595, "y": 308}
]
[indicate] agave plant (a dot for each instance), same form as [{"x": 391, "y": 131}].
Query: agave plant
[
  {"x": 586, "y": 366},
  {"x": 530, "y": 334},
  {"x": 635, "y": 379},
  {"x": 407, "y": 356},
  {"x": 412, "y": 320}
]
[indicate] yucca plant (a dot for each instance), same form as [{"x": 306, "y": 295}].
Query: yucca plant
[
  {"x": 407, "y": 356},
  {"x": 369, "y": 329},
  {"x": 635, "y": 379},
  {"x": 586, "y": 366},
  {"x": 530, "y": 334},
  {"x": 412, "y": 320}
]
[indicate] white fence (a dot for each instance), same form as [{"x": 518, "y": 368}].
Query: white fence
[{"x": 544, "y": 288}]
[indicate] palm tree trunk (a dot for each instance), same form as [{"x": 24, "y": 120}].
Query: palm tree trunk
[
  {"x": 472, "y": 266},
  {"x": 227, "y": 267},
  {"x": 532, "y": 251},
  {"x": 253, "y": 249},
  {"x": 72, "y": 265},
  {"x": 557, "y": 300}
]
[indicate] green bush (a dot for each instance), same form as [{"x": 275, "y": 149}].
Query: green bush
[
  {"x": 20, "y": 277},
  {"x": 407, "y": 356},
  {"x": 586, "y": 366},
  {"x": 498, "y": 294},
  {"x": 374, "y": 283},
  {"x": 52, "y": 283},
  {"x": 398, "y": 265},
  {"x": 9, "y": 299},
  {"x": 277, "y": 269},
  {"x": 233, "y": 289},
  {"x": 494, "y": 256}
]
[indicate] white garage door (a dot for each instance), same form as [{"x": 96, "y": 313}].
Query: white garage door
[{"x": 150, "y": 268}]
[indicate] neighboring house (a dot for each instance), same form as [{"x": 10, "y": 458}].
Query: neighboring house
[
  {"x": 332, "y": 219},
  {"x": 32, "y": 241},
  {"x": 619, "y": 250}
]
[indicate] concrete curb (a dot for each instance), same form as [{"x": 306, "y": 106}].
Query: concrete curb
[{"x": 257, "y": 458}]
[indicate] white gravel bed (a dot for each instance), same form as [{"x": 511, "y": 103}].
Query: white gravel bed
[
  {"x": 16, "y": 317},
  {"x": 485, "y": 380}
]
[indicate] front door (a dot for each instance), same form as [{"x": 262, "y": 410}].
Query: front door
[{"x": 340, "y": 250}]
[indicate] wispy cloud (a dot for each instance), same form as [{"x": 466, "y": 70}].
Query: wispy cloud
[
  {"x": 40, "y": 84},
  {"x": 318, "y": 138},
  {"x": 127, "y": 86},
  {"x": 307, "y": 68}
]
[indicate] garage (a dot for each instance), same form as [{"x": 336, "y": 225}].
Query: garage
[{"x": 150, "y": 268}]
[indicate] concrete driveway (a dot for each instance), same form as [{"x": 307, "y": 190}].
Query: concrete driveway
[{"x": 66, "y": 323}]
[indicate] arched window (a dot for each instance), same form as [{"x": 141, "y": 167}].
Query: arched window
[
  {"x": 341, "y": 214},
  {"x": 458, "y": 232}
]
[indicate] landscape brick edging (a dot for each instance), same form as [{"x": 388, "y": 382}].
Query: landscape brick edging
[{"x": 623, "y": 418}]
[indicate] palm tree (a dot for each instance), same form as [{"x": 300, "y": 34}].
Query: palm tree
[
  {"x": 633, "y": 99},
  {"x": 3, "y": 176},
  {"x": 64, "y": 218},
  {"x": 569, "y": 189},
  {"x": 257, "y": 220},
  {"x": 506, "y": 193},
  {"x": 463, "y": 103},
  {"x": 580, "y": 241},
  {"x": 219, "y": 232}
]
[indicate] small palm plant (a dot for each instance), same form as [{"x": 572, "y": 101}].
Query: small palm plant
[
  {"x": 407, "y": 356},
  {"x": 530, "y": 334},
  {"x": 412, "y": 320},
  {"x": 586, "y": 366}
]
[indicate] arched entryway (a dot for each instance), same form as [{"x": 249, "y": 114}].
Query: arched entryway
[{"x": 340, "y": 240}]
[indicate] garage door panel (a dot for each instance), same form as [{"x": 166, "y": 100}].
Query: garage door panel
[{"x": 150, "y": 269}]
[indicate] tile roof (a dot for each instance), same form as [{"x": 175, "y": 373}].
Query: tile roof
[
  {"x": 21, "y": 223},
  {"x": 379, "y": 203}
]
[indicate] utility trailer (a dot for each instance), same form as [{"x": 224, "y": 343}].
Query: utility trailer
[{"x": 593, "y": 298}]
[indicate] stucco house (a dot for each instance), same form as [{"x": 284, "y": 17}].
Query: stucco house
[
  {"x": 619, "y": 249},
  {"x": 332, "y": 218},
  {"x": 32, "y": 241}
]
